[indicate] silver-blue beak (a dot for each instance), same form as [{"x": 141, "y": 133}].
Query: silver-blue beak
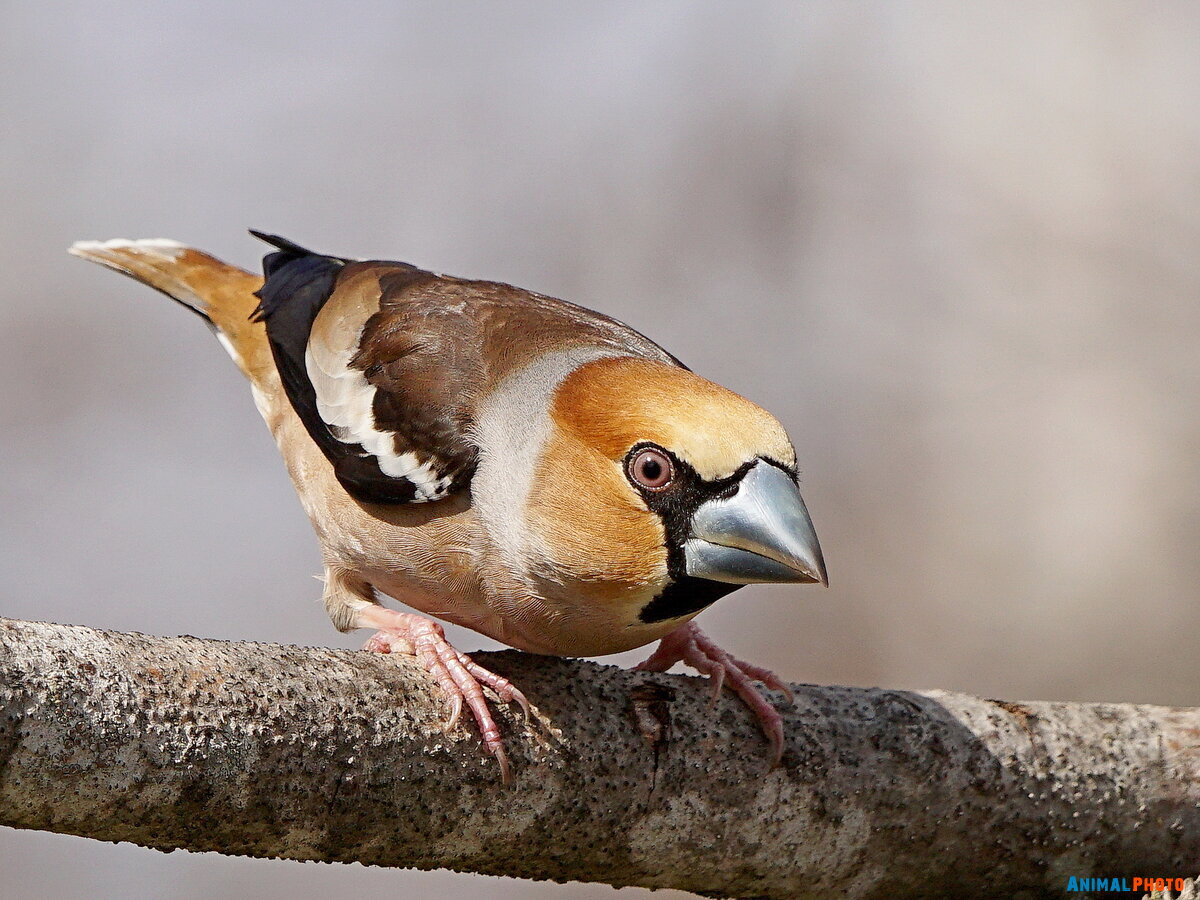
[{"x": 761, "y": 534}]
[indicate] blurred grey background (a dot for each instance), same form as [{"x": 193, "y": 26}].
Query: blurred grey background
[{"x": 953, "y": 246}]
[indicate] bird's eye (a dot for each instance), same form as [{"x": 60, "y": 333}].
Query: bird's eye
[{"x": 651, "y": 469}]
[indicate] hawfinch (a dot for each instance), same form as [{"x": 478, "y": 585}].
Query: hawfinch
[{"x": 500, "y": 459}]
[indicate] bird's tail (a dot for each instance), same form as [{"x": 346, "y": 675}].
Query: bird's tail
[{"x": 221, "y": 294}]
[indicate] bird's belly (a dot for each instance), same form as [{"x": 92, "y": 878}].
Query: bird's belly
[
  {"x": 449, "y": 598},
  {"x": 551, "y": 630},
  {"x": 514, "y": 616}
]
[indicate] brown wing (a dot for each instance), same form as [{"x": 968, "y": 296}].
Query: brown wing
[
  {"x": 386, "y": 363},
  {"x": 398, "y": 377}
]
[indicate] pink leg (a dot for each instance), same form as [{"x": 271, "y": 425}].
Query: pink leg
[
  {"x": 458, "y": 675},
  {"x": 689, "y": 645}
]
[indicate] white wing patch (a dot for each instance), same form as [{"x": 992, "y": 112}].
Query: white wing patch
[{"x": 345, "y": 401}]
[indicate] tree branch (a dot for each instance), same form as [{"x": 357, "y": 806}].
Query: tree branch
[{"x": 265, "y": 750}]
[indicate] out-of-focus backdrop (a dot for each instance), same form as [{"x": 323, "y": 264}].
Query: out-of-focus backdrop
[{"x": 953, "y": 246}]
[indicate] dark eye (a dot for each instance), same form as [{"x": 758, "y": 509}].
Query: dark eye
[{"x": 651, "y": 469}]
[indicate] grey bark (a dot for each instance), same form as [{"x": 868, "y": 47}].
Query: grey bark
[{"x": 629, "y": 778}]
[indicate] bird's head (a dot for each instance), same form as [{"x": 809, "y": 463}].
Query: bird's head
[{"x": 660, "y": 492}]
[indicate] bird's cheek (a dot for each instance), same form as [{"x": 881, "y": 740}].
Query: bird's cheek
[
  {"x": 603, "y": 545},
  {"x": 622, "y": 552}
]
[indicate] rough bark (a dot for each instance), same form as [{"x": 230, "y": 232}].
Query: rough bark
[{"x": 631, "y": 778}]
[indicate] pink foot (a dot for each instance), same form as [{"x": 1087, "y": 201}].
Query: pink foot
[
  {"x": 459, "y": 676},
  {"x": 689, "y": 645}
]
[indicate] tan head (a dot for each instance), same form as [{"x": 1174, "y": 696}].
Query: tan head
[{"x": 660, "y": 491}]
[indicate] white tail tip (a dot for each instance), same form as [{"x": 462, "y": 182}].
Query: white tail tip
[{"x": 151, "y": 246}]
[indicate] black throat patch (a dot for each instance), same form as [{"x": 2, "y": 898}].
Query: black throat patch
[{"x": 684, "y": 594}]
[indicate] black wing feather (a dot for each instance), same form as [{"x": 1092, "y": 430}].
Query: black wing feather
[{"x": 298, "y": 284}]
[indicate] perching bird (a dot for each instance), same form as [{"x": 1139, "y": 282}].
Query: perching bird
[{"x": 510, "y": 462}]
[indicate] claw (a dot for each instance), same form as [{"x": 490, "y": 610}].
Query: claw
[
  {"x": 505, "y": 689},
  {"x": 718, "y": 681},
  {"x": 776, "y": 683},
  {"x": 455, "y": 711},
  {"x": 767, "y": 677},
  {"x": 526, "y": 709},
  {"x": 689, "y": 645},
  {"x": 460, "y": 677},
  {"x": 505, "y": 771}
]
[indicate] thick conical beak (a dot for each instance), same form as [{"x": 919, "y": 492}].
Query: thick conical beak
[{"x": 760, "y": 534}]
